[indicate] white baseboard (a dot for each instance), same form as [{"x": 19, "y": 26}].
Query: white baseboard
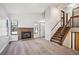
[{"x": 4, "y": 47}]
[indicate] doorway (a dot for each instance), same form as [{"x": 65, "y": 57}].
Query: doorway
[
  {"x": 62, "y": 18},
  {"x": 77, "y": 41},
  {"x": 42, "y": 29}
]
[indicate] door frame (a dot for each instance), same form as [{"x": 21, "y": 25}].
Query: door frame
[{"x": 63, "y": 18}]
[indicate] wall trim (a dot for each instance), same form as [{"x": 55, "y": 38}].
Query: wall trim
[
  {"x": 71, "y": 40},
  {"x": 75, "y": 41}
]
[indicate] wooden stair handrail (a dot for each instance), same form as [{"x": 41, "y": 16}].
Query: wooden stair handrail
[
  {"x": 75, "y": 16},
  {"x": 65, "y": 26}
]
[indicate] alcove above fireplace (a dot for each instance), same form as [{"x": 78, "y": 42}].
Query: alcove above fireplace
[{"x": 25, "y": 33}]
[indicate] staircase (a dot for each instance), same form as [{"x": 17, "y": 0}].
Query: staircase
[
  {"x": 62, "y": 31},
  {"x": 58, "y": 37}
]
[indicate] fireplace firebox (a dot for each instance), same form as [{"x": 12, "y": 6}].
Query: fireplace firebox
[{"x": 26, "y": 35}]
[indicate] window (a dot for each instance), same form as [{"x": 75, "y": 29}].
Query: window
[{"x": 14, "y": 26}]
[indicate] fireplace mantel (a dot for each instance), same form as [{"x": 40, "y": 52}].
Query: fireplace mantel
[{"x": 20, "y": 30}]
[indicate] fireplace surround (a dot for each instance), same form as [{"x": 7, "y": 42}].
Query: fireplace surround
[{"x": 25, "y": 33}]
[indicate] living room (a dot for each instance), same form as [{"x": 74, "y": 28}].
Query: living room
[{"x": 31, "y": 23}]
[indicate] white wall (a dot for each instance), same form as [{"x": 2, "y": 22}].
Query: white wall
[
  {"x": 74, "y": 29},
  {"x": 4, "y": 39},
  {"x": 3, "y": 27},
  {"x": 52, "y": 16},
  {"x": 26, "y": 20},
  {"x": 67, "y": 41},
  {"x": 47, "y": 24}
]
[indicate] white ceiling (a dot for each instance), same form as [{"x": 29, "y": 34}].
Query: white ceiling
[
  {"x": 15, "y": 8},
  {"x": 29, "y": 8}
]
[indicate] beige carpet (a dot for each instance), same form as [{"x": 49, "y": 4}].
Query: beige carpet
[{"x": 36, "y": 47}]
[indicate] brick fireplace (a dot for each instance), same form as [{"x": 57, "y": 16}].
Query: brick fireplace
[{"x": 25, "y": 33}]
